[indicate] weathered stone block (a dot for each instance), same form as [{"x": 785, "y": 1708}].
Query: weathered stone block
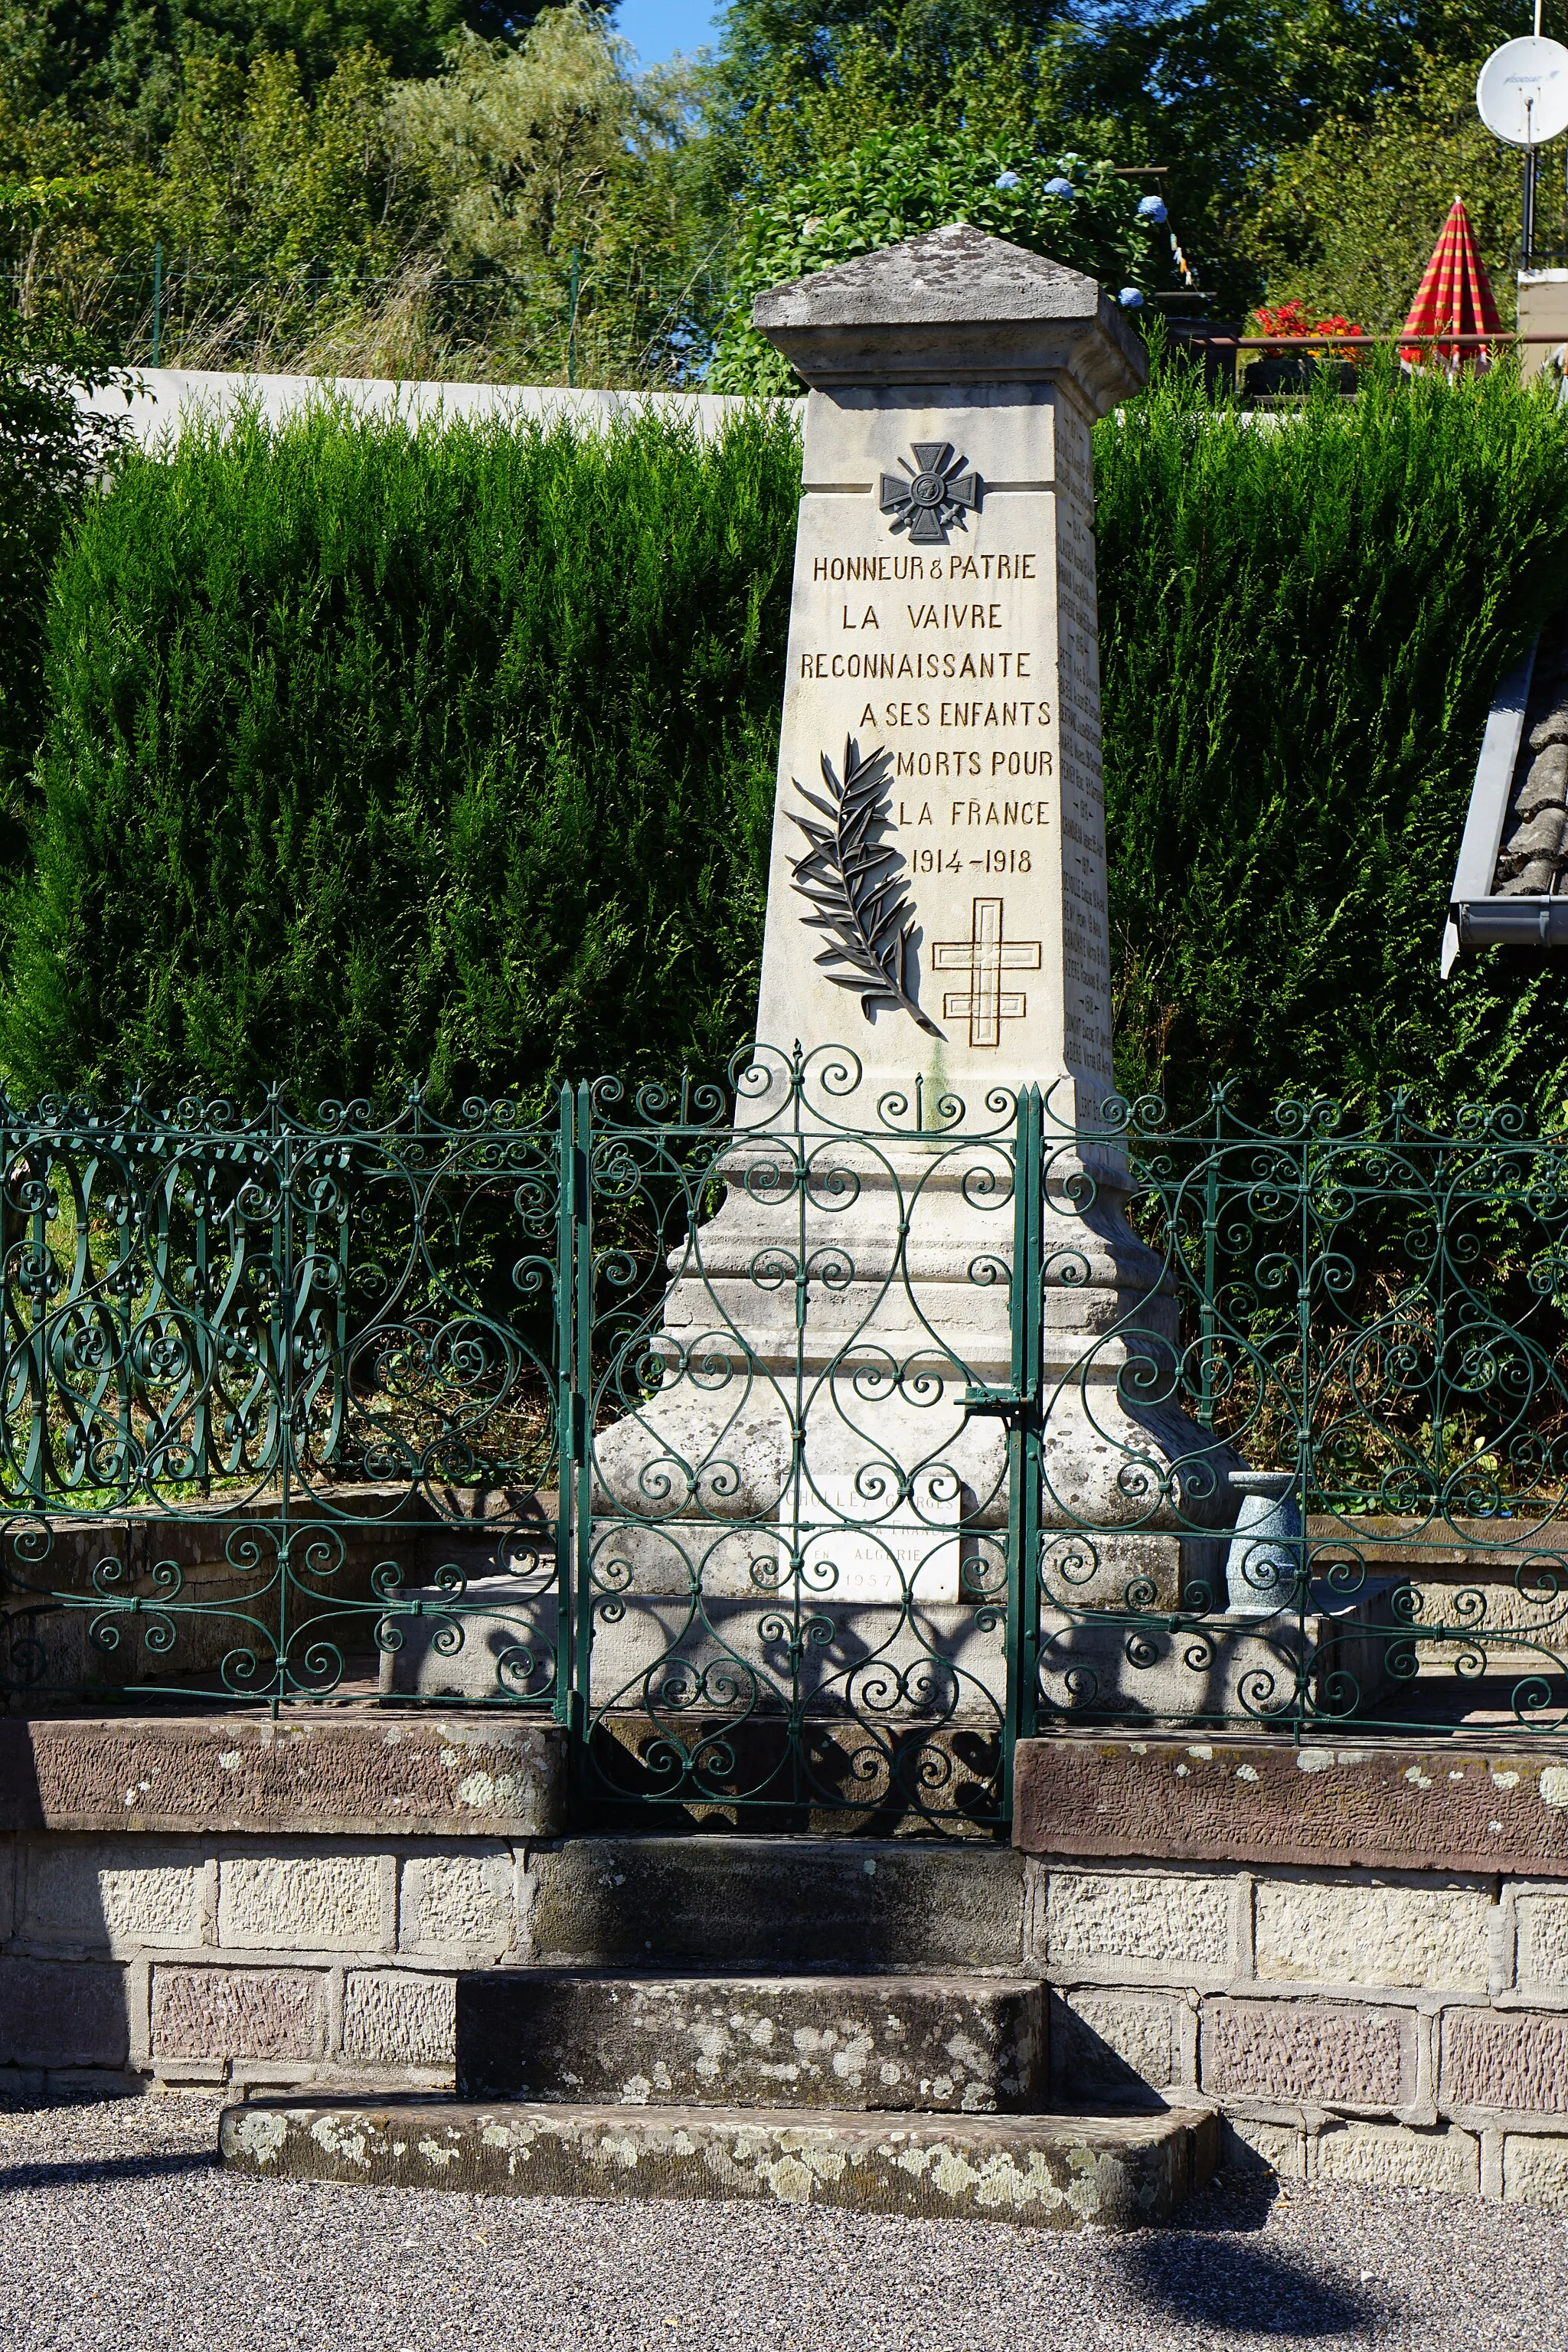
[
  {"x": 1328, "y": 2054},
  {"x": 1370, "y": 1931},
  {"x": 759, "y": 1903},
  {"x": 1391, "y": 2155},
  {"x": 1536, "y": 2170},
  {"x": 394, "y": 2018},
  {"x": 62, "y": 2013},
  {"x": 457, "y": 1902},
  {"x": 1248, "y": 2145},
  {"x": 1396, "y": 1805},
  {"x": 1167, "y": 1926},
  {"x": 1506, "y": 2059},
  {"x": 1054, "y": 2172},
  {"x": 880, "y": 2045},
  {"x": 1121, "y": 2045},
  {"x": 221, "y": 2012},
  {"x": 118, "y": 1897},
  {"x": 300, "y": 1902},
  {"x": 1542, "y": 1948},
  {"x": 330, "y": 1776}
]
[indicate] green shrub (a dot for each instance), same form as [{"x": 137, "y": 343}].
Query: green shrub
[
  {"x": 374, "y": 753},
  {"x": 1304, "y": 618},
  {"x": 898, "y": 183}
]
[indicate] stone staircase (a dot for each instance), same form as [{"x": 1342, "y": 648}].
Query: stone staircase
[{"x": 856, "y": 2031}]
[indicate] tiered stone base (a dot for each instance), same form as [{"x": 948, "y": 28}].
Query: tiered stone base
[{"x": 1357, "y": 1956}]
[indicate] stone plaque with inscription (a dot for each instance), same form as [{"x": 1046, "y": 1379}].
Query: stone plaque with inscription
[{"x": 937, "y": 893}]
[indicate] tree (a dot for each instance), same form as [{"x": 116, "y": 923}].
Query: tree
[
  {"x": 561, "y": 176},
  {"x": 1226, "y": 93},
  {"x": 896, "y": 182},
  {"x": 1350, "y": 218},
  {"x": 52, "y": 452}
]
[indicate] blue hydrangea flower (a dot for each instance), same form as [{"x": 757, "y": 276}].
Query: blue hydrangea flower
[
  {"x": 1130, "y": 299},
  {"x": 1007, "y": 180},
  {"x": 1059, "y": 187},
  {"x": 1152, "y": 208}
]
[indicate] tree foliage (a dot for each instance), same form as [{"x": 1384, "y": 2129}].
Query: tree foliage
[
  {"x": 51, "y": 455},
  {"x": 1352, "y": 215},
  {"x": 895, "y": 184}
]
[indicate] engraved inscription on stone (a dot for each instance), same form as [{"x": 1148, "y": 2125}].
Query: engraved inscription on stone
[{"x": 944, "y": 611}]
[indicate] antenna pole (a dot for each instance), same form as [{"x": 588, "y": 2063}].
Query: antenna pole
[
  {"x": 1538, "y": 19},
  {"x": 1527, "y": 221}
]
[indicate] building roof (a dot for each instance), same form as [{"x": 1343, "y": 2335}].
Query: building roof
[{"x": 1512, "y": 885}]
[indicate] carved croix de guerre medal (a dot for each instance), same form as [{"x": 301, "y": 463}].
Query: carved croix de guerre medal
[{"x": 931, "y": 495}]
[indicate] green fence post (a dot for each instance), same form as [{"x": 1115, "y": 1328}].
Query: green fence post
[
  {"x": 1026, "y": 1450},
  {"x": 582, "y": 1432},
  {"x": 565, "y": 1392}
]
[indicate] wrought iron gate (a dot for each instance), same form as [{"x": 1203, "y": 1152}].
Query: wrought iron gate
[
  {"x": 530, "y": 1415},
  {"x": 801, "y": 1457}
]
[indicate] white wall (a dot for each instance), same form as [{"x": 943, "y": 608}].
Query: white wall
[{"x": 170, "y": 395}]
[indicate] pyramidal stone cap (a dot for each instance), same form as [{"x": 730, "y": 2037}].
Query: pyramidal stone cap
[{"x": 955, "y": 305}]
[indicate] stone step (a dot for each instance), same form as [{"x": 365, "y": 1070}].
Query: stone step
[
  {"x": 1047, "y": 2172},
  {"x": 777, "y": 1905},
  {"x": 961, "y": 2045}
]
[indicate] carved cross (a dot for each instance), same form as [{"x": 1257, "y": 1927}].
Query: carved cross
[{"x": 985, "y": 956}]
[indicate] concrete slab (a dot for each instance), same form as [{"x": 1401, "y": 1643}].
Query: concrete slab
[{"x": 1049, "y": 2172}]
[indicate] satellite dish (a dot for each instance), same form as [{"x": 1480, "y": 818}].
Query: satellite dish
[{"x": 1522, "y": 95}]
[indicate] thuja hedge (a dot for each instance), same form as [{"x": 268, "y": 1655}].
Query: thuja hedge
[
  {"x": 374, "y": 753},
  {"x": 1304, "y": 617}
]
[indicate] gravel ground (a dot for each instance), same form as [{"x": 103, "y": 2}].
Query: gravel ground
[{"x": 118, "y": 2229}]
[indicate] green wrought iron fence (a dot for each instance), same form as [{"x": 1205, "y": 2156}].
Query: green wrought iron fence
[{"x": 800, "y": 1454}]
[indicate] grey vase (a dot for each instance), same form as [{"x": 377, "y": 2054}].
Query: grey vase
[{"x": 1261, "y": 1564}]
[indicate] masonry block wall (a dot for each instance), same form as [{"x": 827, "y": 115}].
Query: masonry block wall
[
  {"x": 321, "y": 1961},
  {"x": 1407, "y": 2028},
  {"x": 1360, "y": 1956}
]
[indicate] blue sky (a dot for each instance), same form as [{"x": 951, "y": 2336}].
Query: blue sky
[{"x": 657, "y": 28}]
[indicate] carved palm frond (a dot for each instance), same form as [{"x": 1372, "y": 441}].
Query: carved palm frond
[{"x": 853, "y": 879}]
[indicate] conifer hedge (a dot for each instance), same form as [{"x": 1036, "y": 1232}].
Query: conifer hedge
[
  {"x": 1304, "y": 618},
  {"x": 376, "y": 753}
]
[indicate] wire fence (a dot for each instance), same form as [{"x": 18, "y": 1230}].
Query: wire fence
[{"x": 588, "y": 321}]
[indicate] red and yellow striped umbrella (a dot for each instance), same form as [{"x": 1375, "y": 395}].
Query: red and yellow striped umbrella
[{"x": 1455, "y": 297}]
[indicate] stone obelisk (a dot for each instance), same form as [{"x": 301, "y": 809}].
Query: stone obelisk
[
  {"x": 944, "y": 652},
  {"x": 936, "y": 941}
]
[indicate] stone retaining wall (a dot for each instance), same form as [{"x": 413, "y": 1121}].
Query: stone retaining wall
[
  {"x": 1402, "y": 2027},
  {"x": 324, "y": 1961},
  {"x": 290, "y": 1907},
  {"x": 229, "y": 1899},
  {"x": 1230, "y": 1920}
]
